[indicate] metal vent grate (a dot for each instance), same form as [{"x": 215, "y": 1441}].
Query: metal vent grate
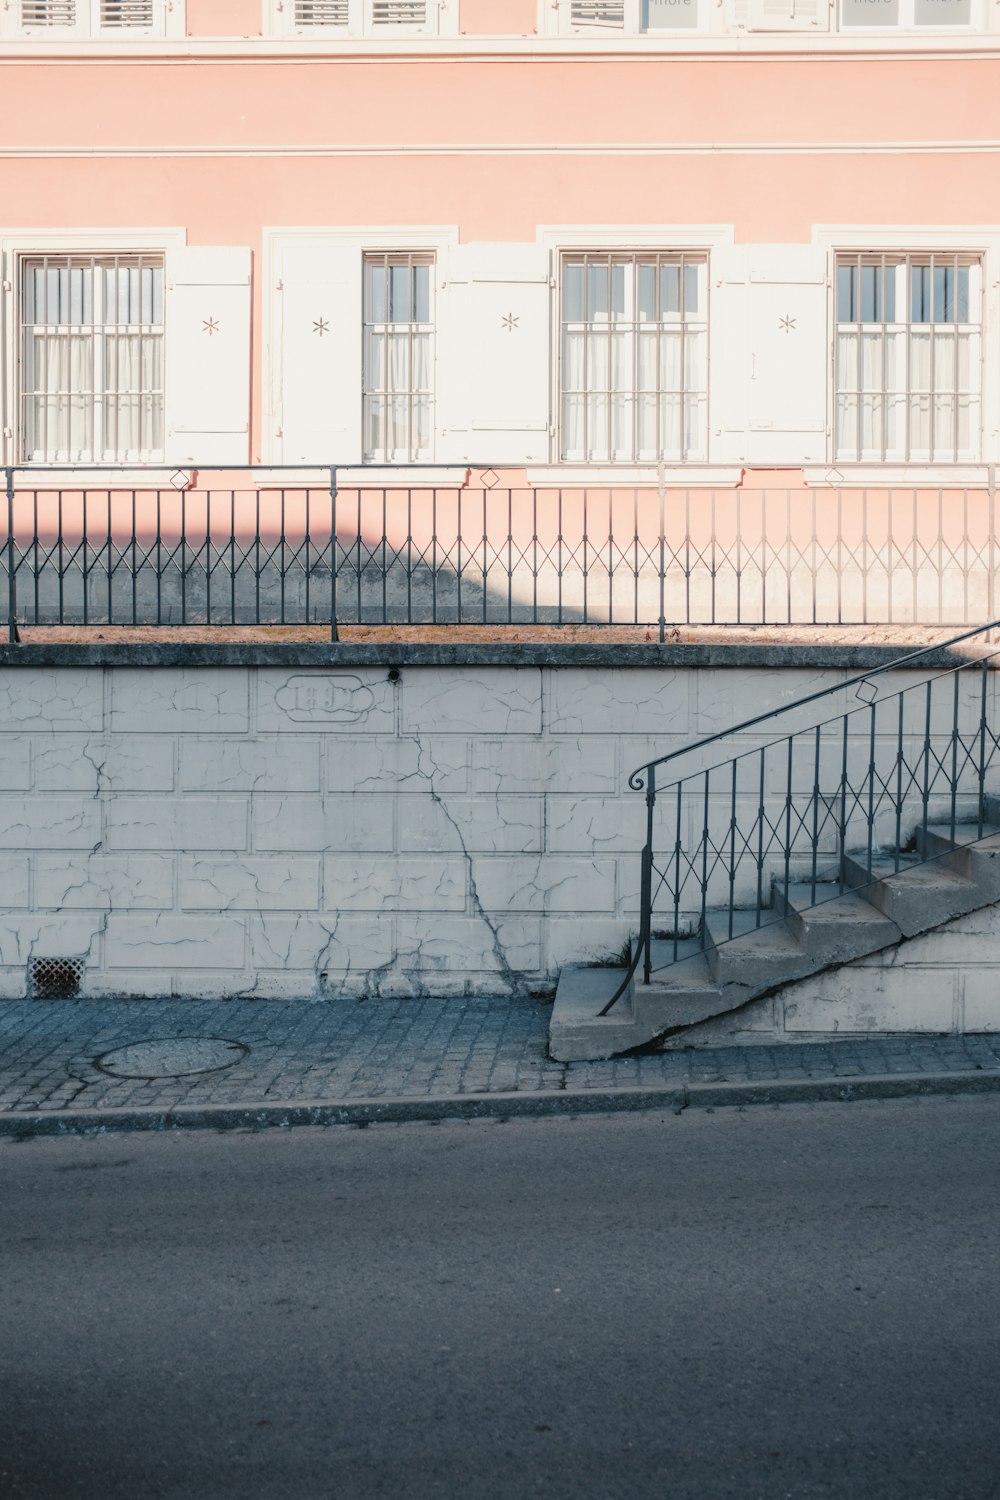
[
  {"x": 55, "y": 978},
  {"x": 48, "y": 12},
  {"x": 321, "y": 12}
]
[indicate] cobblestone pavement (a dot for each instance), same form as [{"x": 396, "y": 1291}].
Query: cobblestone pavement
[{"x": 349, "y": 1050}]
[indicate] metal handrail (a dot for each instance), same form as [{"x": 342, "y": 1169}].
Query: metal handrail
[{"x": 644, "y": 777}]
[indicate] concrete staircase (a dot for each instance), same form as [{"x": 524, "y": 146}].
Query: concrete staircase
[{"x": 739, "y": 957}]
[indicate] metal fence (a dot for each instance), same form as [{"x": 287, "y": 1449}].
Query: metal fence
[
  {"x": 861, "y": 771},
  {"x": 322, "y": 547}
]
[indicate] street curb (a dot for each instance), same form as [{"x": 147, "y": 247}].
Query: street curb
[{"x": 361, "y": 1112}]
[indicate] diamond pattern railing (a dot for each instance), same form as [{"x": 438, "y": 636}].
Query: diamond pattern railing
[
  {"x": 292, "y": 547},
  {"x": 859, "y": 782}
]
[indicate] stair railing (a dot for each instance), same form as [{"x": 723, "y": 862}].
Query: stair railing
[{"x": 791, "y": 809}]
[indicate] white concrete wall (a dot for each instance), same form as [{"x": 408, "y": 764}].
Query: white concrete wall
[{"x": 292, "y": 831}]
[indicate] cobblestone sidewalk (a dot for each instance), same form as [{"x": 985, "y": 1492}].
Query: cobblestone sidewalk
[{"x": 61, "y": 1055}]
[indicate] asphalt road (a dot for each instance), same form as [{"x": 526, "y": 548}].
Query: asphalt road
[{"x": 803, "y": 1302}]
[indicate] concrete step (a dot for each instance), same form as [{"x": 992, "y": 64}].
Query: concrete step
[
  {"x": 756, "y": 951},
  {"x": 916, "y": 896},
  {"x": 967, "y": 854},
  {"x": 577, "y": 1031},
  {"x": 837, "y": 928}
]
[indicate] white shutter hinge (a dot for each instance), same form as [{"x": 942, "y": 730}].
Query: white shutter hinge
[
  {"x": 8, "y": 432},
  {"x": 279, "y": 286},
  {"x": 552, "y": 430},
  {"x": 552, "y": 282},
  {"x": 279, "y": 432},
  {"x": 7, "y": 286}
]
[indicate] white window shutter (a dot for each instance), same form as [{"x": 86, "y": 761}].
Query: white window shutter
[
  {"x": 319, "y": 327},
  {"x": 310, "y": 15},
  {"x": 789, "y": 15},
  {"x": 493, "y": 354},
  {"x": 207, "y": 368},
  {"x": 600, "y": 14},
  {"x": 400, "y": 12},
  {"x": 54, "y": 18},
  {"x": 126, "y": 17},
  {"x": 787, "y": 313}
]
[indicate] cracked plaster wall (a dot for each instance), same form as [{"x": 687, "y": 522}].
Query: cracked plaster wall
[{"x": 281, "y": 831}]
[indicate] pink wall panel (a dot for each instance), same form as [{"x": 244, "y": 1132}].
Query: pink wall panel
[
  {"x": 223, "y": 17},
  {"x": 598, "y": 102},
  {"x": 498, "y": 17}
]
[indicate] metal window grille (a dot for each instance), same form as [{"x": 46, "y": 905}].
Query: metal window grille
[
  {"x": 398, "y": 357},
  {"x": 634, "y": 357},
  {"x": 91, "y": 359},
  {"x": 908, "y": 357}
]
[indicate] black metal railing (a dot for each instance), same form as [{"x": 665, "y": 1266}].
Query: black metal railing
[
  {"x": 300, "y": 546},
  {"x": 790, "y": 809}
]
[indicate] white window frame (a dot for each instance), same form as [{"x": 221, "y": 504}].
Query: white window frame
[
  {"x": 557, "y": 19},
  {"x": 898, "y": 335},
  {"x": 441, "y": 20},
  {"x": 698, "y": 260},
  {"x": 168, "y": 21},
  {"x": 716, "y": 240},
  {"x": 968, "y": 239},
  {"x": 16, "y": 245},
  {"x": 102, "y": 328}
]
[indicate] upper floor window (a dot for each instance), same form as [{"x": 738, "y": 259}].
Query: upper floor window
[
  {"x": 91, "y": 359},
  {"x": 896, "y": 14},
  {"x": 908, "y": 357},
  {"x": 634, "y": 357},
  {"x": 629, "y": 16},
  {"x": 305, "y": 18},
  {"x": 398, "y": 360},
  {"x": 72, "y": 20}
]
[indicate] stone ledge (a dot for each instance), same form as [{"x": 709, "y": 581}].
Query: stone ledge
[{"x": 739, "y": 655}]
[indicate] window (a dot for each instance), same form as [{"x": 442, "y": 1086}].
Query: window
[
  {"x": 91, "y": 359},
  {"x": 905, "y": 13},
  {"x": 305, "y": 18},
  {"x": 634, "y": 357},
  {"x": 628, "y": 16},
  {"x": 69, "y": 20},
  {"x": 909, "y": 357},
  {"x": 398, "y": 358}
]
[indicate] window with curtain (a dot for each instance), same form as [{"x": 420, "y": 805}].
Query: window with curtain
[
  {"x": 634, "y": 357},
  {"x": 398, "y": 358},
  {"x": 908, "y": 357},
  {"x": 91, "y": 359}
]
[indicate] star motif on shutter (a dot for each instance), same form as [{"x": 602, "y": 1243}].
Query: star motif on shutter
[
  {"x": 321, "y": 326},
  {"x": 510, "y": 322},
  {"x": 787, "y": 324},
  {"x": 210, "y": 326}
]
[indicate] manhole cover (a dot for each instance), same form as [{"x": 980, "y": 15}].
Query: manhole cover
[{"x": 171, "y": 1058}]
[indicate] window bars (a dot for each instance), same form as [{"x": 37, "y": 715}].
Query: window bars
[
  {"x": 908, "y": 358},
  {"x": 398, "y": 376},
  {"x": 91, "y": 359},
  {"x": 634, "y": 358}
]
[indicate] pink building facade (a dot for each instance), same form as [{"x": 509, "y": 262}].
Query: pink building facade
[{"x": 600, "y": 241}]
